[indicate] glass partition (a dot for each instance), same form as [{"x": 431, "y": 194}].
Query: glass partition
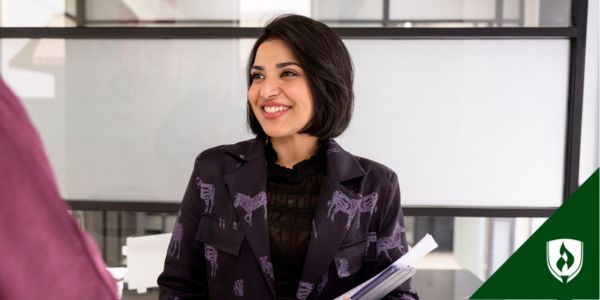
[
  {"x": 253, "y": 13},
  {"x": 124, "y": 119}
]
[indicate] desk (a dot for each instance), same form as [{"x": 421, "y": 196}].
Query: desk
[{"x": 430, "y": 284}]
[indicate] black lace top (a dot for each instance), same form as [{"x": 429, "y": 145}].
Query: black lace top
[{"x": 292, "y": 196}]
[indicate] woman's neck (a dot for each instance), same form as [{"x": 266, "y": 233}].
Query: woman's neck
[{"x": 294, "y": 149}]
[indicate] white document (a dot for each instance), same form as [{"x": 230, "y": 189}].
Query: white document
[{"x": 394, "y": 275}]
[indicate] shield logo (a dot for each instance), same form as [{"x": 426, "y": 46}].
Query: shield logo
[{"x": 564, "y": 258}]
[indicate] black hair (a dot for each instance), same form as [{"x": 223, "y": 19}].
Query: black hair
[{"x": 323, "y": 56}]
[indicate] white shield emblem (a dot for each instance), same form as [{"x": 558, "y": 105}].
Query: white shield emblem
[{"x": 564, "y": 258}]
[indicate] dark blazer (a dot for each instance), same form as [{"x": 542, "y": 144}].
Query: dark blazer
[{"x": 220, "y": 244}]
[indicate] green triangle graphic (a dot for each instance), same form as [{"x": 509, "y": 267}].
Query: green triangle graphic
[{"x": 526, "y": 274}]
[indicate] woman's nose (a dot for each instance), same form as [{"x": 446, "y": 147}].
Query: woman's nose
[{"x": 269, "y": 88}]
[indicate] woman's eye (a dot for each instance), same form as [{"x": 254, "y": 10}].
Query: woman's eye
[
  {"x": 288, "y": 73},
  {"x": 256, "y": 76}
]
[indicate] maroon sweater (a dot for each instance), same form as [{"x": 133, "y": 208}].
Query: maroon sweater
[{"x": 43, "y": 253}]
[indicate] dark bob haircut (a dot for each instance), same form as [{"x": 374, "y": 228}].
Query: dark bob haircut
[{"x": 326, "y": 61}]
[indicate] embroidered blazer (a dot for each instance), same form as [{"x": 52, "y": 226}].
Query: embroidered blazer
[{"x": 220, "y": 245}]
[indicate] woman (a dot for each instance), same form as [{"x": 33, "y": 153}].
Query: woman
[{"x": 334, "y": 219}]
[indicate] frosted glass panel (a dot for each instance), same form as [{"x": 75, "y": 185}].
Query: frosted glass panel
[
  {"x": 348, "y": 10},
  {"x": 126, "y": 118},
  {"x": 482, "y": 13},
  {"x": 161, "y": 10},
  {"x": 445, "y": 9},
  {"x": 147, "y": 107},
  {"x": 462, "y": 122},
  {"x": 32, "y": 13}
]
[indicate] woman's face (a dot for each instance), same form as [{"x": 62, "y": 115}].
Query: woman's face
[{"x": 279, "y": 94}]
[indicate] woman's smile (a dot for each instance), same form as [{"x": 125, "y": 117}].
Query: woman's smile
[{"x": 274, "y": 111}]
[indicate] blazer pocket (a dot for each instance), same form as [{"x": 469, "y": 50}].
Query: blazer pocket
[
  {"x": 349, "y": 258},
  {"x": 220, "y": 234}
]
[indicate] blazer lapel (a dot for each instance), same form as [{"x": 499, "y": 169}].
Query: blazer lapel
[
  {"x": 330, "y": 223},
  {"x": 247, "y": 187}
]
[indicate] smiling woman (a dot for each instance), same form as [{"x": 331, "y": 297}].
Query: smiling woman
[
  {"x": 288, "y": 214},
  {"x": 302, "y": 61},
  {"x": 279, "y": 93}
]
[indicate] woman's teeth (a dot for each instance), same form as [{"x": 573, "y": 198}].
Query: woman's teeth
[{"x": 274, "y": 109}]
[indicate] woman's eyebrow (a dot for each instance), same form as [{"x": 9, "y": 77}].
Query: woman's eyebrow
[
  {"x": 287, "y": 63},
  {"x": 279, "y": 65}
]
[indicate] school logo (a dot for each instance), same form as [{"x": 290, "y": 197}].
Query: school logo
[{"x": 564, "y": 258}]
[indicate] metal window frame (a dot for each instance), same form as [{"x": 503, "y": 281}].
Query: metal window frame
[{"x": 576, "y": 35}]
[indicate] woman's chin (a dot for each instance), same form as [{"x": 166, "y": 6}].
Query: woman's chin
[
  {"x": 277, "y": 133},
  {"x": 276, "y": 136}
]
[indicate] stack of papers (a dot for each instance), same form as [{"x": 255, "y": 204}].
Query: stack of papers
[{"x": 394, "y": 275}]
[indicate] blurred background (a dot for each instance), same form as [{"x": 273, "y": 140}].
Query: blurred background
[{"x": 486, "y": 109}]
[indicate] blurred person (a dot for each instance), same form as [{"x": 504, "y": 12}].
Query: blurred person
[
  {"x": 43, "y": 252},
  {"x": 288, "y": 214}
]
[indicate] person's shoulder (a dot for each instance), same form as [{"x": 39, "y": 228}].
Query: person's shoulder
[
  {"x": 223, "y": 158},
  {"x": 374, "y": 168},
  {"x": 225, "y": 150}
]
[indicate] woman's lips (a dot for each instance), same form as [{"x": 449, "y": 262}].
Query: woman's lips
[{"x": 274, "y": 115}]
